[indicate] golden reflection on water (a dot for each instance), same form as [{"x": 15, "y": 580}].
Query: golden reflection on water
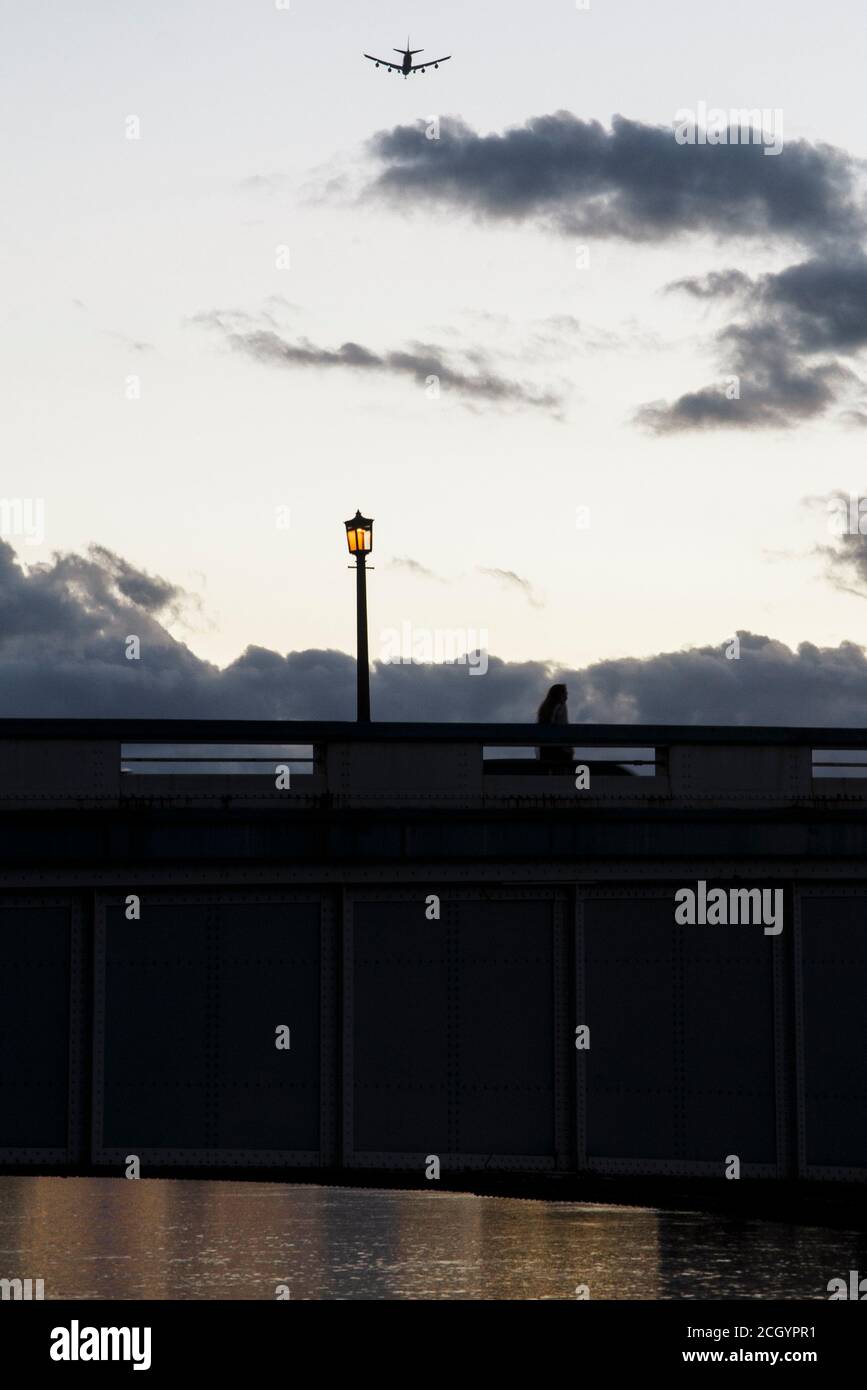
[{"x": 164, "y": 1239}]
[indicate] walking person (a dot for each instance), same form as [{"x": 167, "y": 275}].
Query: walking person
[{"x": 554, "y": 710}]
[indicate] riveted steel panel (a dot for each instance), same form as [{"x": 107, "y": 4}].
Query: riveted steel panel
[
  {"x": 454, "y": 1029},
  {"x": 42, "y": 1026},
  {"x": 394, "y": 774},
  {"x": 685, "y": 1063},
  {"x": 831, "y": 1031},
  {"x": 187, "y": 1003},
  {"x": 739, "y": 771},
  {"x": 33, "y": 772}
]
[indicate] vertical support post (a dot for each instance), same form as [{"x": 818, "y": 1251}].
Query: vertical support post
[{"x": 362, "y": 662}]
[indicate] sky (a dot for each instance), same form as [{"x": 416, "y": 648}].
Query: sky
[{"x": 251, "y": 283}]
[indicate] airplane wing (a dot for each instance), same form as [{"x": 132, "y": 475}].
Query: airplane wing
[
  {"x": 434, "y": 62},
  {"x": 386, "y": 62}
]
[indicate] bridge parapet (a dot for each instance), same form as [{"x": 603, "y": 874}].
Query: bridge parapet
[
  {"x": 438, "y": 918},
  {"x": 300, "y": 763}
]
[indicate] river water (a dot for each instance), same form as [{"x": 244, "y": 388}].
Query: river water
[{"x": 114, "y": 1238}]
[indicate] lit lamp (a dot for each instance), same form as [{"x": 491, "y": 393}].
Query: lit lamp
[
  {"x": 359, "y": 538},
  {"x": 359, "y": 534}
]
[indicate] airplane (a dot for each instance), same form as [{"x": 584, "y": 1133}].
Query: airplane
[{"x": 406, "y": 65}]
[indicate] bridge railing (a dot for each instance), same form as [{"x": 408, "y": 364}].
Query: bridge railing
[
  {"x": 215, "y": 759},
  {"x": 184, "y": 761}
]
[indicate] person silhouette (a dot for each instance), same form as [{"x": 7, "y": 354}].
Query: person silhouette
[{"x": 554, "y": 710}]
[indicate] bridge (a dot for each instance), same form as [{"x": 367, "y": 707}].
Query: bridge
[{"x": 356, "y": 949}]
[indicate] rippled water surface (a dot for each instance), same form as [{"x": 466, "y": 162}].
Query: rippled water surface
[{"x": 159, "y": 1238}]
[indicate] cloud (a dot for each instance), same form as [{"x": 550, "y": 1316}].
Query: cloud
[
  {"x": 636, "y": 182},
  {"x": 274, "y": 182},
  {"x": 787, "y": 351},
  {"x": 632, "y": 182},
  {"x": 510, "y": 579},
  {"x": 410, "y": 566},
  {"x": 769, "y": 684},
  {"x": 85, "y": 593},
  {"x": 821, "y": 303},
  {"x": 63, "y": 627},
  {"x": 229, "y": 321},
  {"x": 717, "y": 284},
  {"x": 563, "y": 335},
  {"x": 557, "y": 335},
  {"x": 775, "y": 394},
  {"x": 845, "y": 559},
  {"x": 63, "y": 632},
  {"x": 133, "y": 344},
  {"x": 475, "y": 383},
  {"x": 505, "y": 578}
]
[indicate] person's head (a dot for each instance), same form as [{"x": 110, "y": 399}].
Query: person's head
[{"x": 556, "y": 696}]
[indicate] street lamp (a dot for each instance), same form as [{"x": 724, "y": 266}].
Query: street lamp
[{"x": 359, "y": 538}]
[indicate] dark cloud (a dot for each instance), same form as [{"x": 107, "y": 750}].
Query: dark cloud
[
  {"x": 821, "y": 304},
  {"x": 633, "y": 181},
  {"x": 775, "y": 393},
  {"x": 787, "y": 350},
  {"x": 63, "y": 628},
  {"x": 768, "y": 684},
  {"x": 63, "y": 632},
  {"x": 146, "y": 591},
  {"x": 717, "y": 284},
  {"x": 478, "y": 382},
  {"x": 81, "y": 595}
]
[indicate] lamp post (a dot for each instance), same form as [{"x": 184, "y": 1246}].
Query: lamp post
[{"x": 359, "y": 538}]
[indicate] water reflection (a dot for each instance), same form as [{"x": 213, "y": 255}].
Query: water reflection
[{"x": 151, "y": 1238}]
